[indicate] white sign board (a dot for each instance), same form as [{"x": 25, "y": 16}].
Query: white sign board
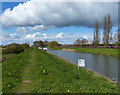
[{"x": 81, "y": 63}]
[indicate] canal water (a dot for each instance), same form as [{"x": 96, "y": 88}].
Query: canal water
[{"x": 104, "y": 65}]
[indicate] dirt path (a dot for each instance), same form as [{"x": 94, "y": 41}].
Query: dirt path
[{"x": 25, "y": 86}]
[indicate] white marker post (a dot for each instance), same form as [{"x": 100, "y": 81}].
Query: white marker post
[{"x": 81, "y": 63}]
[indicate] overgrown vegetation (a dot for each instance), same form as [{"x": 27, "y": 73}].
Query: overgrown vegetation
[
  {"x": 13, "y": 49},
  {"x": 47, "y": 73}
]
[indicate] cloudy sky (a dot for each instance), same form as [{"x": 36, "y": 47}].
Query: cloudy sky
[{"x": 60, "y": 21}]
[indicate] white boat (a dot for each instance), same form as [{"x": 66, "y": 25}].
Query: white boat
[
  {"x": 39, "y": 48},
  {"x": 45, "y": 49}
]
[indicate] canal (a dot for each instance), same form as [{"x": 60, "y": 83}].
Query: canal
[{"x": 104, "y": 65}]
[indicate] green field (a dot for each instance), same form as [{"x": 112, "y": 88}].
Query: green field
[
  {"x": 101, "y": 51},
  {"x": 47, "y": 73}
]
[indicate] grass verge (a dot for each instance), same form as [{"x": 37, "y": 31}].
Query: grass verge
[
  {"x": 49, "y": 74},
  {"x": 101, "y": 51}
]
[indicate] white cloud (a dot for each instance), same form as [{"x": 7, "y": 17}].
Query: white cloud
[
  {"x": 61, "y": 0},
  {"x": 22, "y": 30},
  {"x": 59, "y": 35},
  {"x": 30, "y": 38},
  {"x": 38, "y": 28},
  {"x": 17, "y": 38},
  {"x": 35, "y": 14},
  {"x": 36, "y": 36},
  {"x": 85, "y": 37},
  {"x": 11, "y": 38},
  {"x": 75, "y": 0}
]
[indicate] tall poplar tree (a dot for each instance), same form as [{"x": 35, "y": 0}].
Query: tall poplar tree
[{"x": 96, "y": 33}]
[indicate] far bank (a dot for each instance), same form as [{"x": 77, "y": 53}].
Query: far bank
[{"x": 100, "y": 51}]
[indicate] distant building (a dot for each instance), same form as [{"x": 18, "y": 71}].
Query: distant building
[
  {"x": 84, "y": 41},
  {"x": 81, "y": 42},
  {"x": 77, "y": 42}
]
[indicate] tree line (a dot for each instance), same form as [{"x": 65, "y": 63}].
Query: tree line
[
  {"x": 107, "y": 35},
  {"x": 45, "y": 44}
]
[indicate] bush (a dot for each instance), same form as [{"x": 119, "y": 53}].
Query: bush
[
  {"x": 116, "y": 44},
  {"x": 54, "y": 44},
  {"x": 15, "y": 48},
  {"x": 25, "y": 45}
]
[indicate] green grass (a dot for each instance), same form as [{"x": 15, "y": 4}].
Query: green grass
[
  {"x": 50, "y": 74},
  {"x": 5, "y": 56},
  {"x": 101, "y": 51}
]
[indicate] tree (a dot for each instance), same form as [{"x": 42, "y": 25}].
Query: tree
[
  {"x": 53, "y": 44},
  {"x": 107, "y": 28},
  {"x": 109, "y": 25},
  {"x": 41, "y": 44},
  {"x": 38, "y": 44},
  {"x": 46, "y": 43},
  {"x": 25, "y": 45},
  {"x": 96, "y": 33}
]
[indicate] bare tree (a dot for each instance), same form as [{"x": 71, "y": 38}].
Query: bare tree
[
  {"x": 96, "y": 33},
  {"x": 107, "y": 28},
  {"x": 109, "y": 25}
]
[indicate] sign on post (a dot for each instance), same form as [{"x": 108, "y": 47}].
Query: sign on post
[{"x": 81, "y": 63}]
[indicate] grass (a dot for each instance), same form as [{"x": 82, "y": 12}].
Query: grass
[
  {"x": 101, "y": 51},
  {"x": 50, "y": 74}
]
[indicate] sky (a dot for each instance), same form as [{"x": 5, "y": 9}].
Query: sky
[{"x": 26, "y": 22}]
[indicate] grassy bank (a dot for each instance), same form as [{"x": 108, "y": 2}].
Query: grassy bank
[
  {"x": 101, "y": 51},
  {"x": 46, "y": 73}
]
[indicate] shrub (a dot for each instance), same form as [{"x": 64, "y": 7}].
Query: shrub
[
  {"x": 25, "y": 45},
  {"x": 15, "y": 48},
  {"x": 54, "y": 44}
]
